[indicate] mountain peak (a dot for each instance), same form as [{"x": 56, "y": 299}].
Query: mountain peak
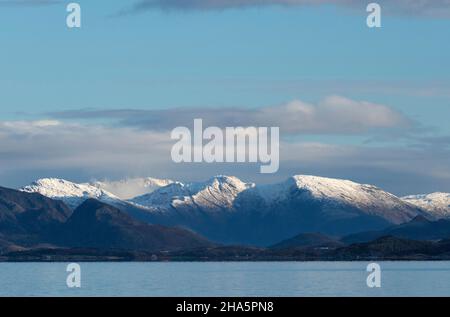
[
  {"x": 338, "y": 189},
  {"x": 72, "y": 194},
  {"x": 217, "y": 192},
  {"x": 225, "y": 180},
  {"x": 436, "y": 204},
  {"x": 310, "y": 181},
  {"x": 53, "y": 182}
]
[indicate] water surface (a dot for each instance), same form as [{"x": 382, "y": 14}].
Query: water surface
[{"x": 226, "y": 279}]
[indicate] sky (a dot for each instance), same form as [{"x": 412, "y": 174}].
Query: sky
[{"x": 367, "y": 104}]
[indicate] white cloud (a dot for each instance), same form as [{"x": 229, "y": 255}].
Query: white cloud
[
  {"x": 92, "y": 149},
  {"x": 29, "y": 150},
  {"x": 334, "y": 114},
  {"x": 27, "y": 126}
]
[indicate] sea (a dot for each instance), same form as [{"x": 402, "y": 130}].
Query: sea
[{"x": 196, "y": 279}]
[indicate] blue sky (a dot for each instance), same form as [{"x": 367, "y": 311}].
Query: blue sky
[{"x": 231, "y": 58}]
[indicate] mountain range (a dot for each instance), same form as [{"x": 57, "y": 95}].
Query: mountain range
[
  {"x": 97, "y": 225},
  {"x": 33, "y": 221},
  {"x": 224, "y": 218},
  {"x": 28, "y": 219},
  {"x": 227, "y": 210},
  {"x": 419, "y": 228}
]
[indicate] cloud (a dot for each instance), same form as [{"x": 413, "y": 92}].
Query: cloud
[
  {"x": 333, "y": 115},
  {"x": 435, "y": 8},
  {"x": 81, "y": 152},
  {"x": 50, "y": 148},
  {"x": 397, "y": 169}
]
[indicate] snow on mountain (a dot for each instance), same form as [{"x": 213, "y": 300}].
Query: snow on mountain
[
  {"x": 229, "y": 193},
  {"x": 131, "y": 187},
  {"x": 71, "y": 193},
  {"x": 371, "y": 199},
  {"x": 437, "y": 204},
  {"x": 228, "y": 210},
  {"x": 218, "y": 193}
]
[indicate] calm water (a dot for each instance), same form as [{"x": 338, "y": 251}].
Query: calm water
[{"x": 226, "y": 279}]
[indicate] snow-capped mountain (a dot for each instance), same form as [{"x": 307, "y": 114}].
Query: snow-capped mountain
[
  {"x": 226, "y": 209},
  {"x": 437, "y": 204},
  {"x": 222, "y": 192},
  {"x": 72, "y": 194},
  {"x": 131, "y": 187},
  {"x": 218, "y": 193},
  {"x": 338, "y": 192}
]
